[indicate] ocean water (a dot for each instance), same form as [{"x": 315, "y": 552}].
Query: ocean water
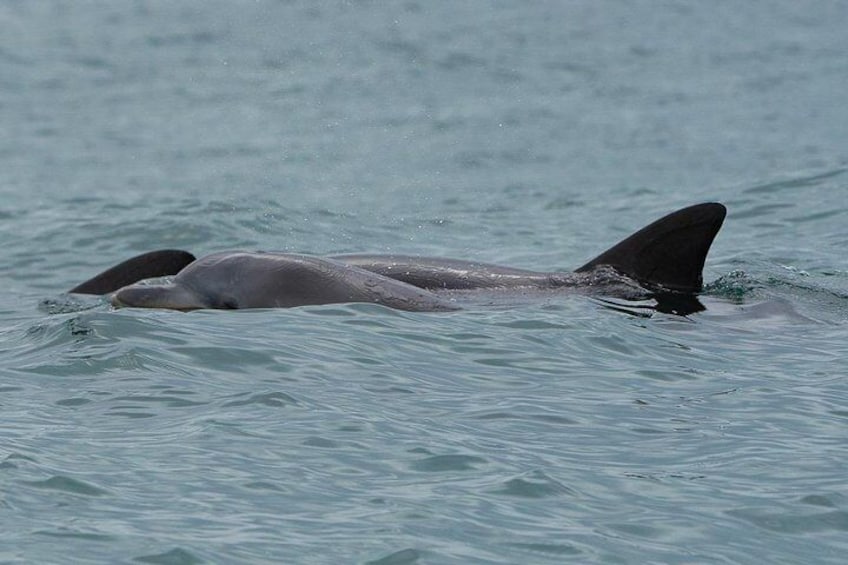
[{"x": 533, "y": 134}]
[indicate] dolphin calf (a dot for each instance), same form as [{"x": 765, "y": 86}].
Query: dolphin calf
[
  {"x": 665, "y": 259},
  {"x": 237, "y": 279}
]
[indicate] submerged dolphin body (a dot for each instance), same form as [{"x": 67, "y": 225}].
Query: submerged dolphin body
[{"x": 666, "y": 258}]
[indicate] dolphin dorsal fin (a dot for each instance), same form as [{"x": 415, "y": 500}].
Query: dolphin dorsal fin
[
  {"x": 668, "y": 254},
  {"x": 145, "y": 266}
]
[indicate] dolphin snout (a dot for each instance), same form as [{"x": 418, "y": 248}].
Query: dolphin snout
[{"x": 171, "y": 296}]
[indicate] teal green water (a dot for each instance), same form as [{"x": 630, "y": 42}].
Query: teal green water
[{"x": 532, "y": 134}]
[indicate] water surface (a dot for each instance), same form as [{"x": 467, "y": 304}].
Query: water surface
[{"x": 533, "y": 135}]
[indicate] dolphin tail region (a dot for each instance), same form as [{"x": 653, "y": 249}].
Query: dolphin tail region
[
  {"x": 668, "y": 254},
  {"x": 145, "y": 266}
]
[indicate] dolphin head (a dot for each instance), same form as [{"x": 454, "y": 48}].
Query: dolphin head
[{"x": 171, "y": 296}]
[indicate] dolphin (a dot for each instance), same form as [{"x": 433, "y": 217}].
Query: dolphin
[
  {"x": 238, "y": 279},
  {"x": 665, "y": 259}
]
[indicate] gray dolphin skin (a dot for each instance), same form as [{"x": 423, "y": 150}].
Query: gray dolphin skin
[
  {"x": 236, "y": 279},
  {"x": 665, "y": 258}
]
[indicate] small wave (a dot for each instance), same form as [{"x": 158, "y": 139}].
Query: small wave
[
  {"x": 797, "y": 182},
  {"x": 176, "y": 556},
  {"x": 792, "y": 293},
  {"x": 735, "y": 286},
  {"x": 69, "y": 485},
  {"x": 67, "y": 304}
]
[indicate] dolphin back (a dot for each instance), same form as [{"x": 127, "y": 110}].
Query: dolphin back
[{"x": 668, "y": 254}]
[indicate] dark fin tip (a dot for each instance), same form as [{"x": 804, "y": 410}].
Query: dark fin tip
[
  {"x": 668, "y": 254},
  {"x": 145, "y": 266}
]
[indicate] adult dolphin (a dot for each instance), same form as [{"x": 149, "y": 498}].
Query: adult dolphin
[{"x": 666, "y": 257}]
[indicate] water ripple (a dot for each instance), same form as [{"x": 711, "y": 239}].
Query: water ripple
[
  {"x": 544, "y": 429},
  {"x": 69, "y": 485}
]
